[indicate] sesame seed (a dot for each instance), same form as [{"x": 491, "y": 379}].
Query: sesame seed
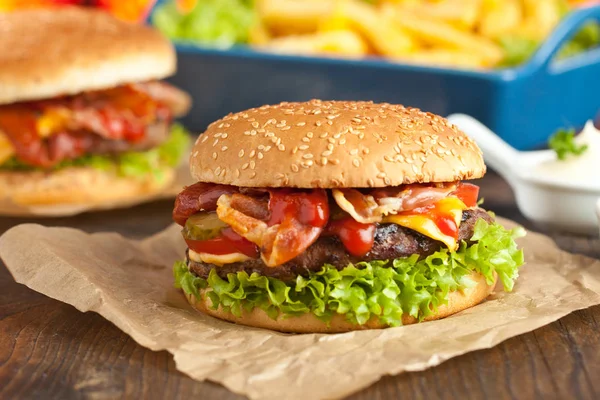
[
  {"x": 223, "y": 172},
  {"x": 217, "y": 170},
  {"x": 318, "y": 123},
  {"x": 196, "y": 153},
  {"x": 267, "y": 148},
  {"x": 326, "y": 153},
  {"x": 331, "y": 141},
  {"x": 387, "y": 181},
  {"x": 388, "y": 158},
  {"x": 217, "y": 135},
  {"x": 370, "y": 182},
  {"x": 253, "y": 175},
  {"x": 323, "y": 135},
  {"x": 329, "y": 122},
  {"x": 342, "y": 141},
  {"x": 357, "y": 120},
  {"x": 354, "y": 152},
  {"x": 309, "y": 134},
  {"x": 285, "y": 128},
  {"x": 303, "y": 147},
  {"x": 252, "y": 153},
  {"x": 329, "y": 146},
  {"x": 279, "y": 176},
  {"x": 253, "y": 132},
  {"x": 247, "y": 133},
  {"x": 245, "y": 166},
  {"x": 381, "y": 175},
  {"x": 220, "y": 125},
  {"x": 281, "y": 147},
  {"x": 307, "y": 156},
  {"x": 335, "y": 161},
  {"x": 255, "y": 125},
  {"x": 306, "y": 140},
  {"x": 366, "y": 150},
  {"x": 252, "y": 164},
  {"x": 224, "y": 148},
  {"x": 356, "y": 162},
  {"x": 295, "y": 150},
  {"x": 269, "y": 134},
  {"x": 260, "y": 156},
  {"x": 323, "y": 160},
  {"x": 301, "y": 124},
  {"x": 215, "y": 142},
  {"x": 331, "y": 116},
  {"x": 237, "y": 173},
  {"x": 294, "y": 168},
  {"x": 214, "y": 156},
  {"x": 415, "y": 169},
  {"x": 442, "y": 144},
  {"x": 308, "y": 162}
]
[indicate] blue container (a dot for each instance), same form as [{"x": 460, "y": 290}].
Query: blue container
[{"x": 523, "y": 105}]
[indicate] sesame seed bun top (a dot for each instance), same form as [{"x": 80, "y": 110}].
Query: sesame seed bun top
[
  {"x": 49, "y": 52},
  {"x": 331, "y": 144}
]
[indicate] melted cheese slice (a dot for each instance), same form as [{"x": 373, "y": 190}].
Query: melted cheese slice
[
  {"x": 423, "y": 224},
  {"x": 217, "y": 259},
  {"x": 52, "y": 121}
]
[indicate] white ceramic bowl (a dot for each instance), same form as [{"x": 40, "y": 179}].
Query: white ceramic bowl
[{"x": 555, "y": 203}]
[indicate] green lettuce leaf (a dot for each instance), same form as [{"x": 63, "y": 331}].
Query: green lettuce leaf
[
  {"x": 138, "y": 164},
  {"x": 383, "y": 289},
  {"x": 219, "y": 23}
]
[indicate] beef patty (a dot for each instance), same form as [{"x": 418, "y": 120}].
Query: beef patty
[{"x": 391, "y": 241}]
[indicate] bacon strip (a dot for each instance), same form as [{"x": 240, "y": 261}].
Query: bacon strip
[
  {"x": 198, "y": 197},
  {"x": 72, "y": 125},
  {"x": 296, "y": 220}
]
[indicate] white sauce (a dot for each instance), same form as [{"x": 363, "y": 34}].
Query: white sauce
[{"x": 584, "y": 168}]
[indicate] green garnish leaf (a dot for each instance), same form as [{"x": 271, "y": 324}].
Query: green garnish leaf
[
  {"x": 563, "y": 143},
  {"x": 517, "y": 50},
  {"x": 383, "y": 289},
  {"x": 217, "y": 23}
]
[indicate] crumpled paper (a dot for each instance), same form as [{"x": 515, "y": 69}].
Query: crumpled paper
[
  {"x": 182, "y": 178},
  {"x": 130, "y": 283}
]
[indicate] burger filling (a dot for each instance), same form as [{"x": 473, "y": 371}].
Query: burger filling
[
  {"x": 118, "y": 126},
  {"x": 357, "y": 252}
]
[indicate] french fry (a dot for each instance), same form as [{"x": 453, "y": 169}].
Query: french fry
[
  {"x": 541, "y": 16},
  {"x": 462, "y": 14},
  {"x": 258, "y": 34},
  {"x": 500, "y": 17},
  {"x": 445, "y": 58},
  {"x": 439, "y": 34},
  {"x": 379, "y": 30},
  {"x": 341, "y": 43},
  {"x": 285, "y": 17}
]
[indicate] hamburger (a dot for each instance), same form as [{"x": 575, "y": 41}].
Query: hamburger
[
  {"x": 84, "y": 117},
  {"x": 331, "y": 216}
]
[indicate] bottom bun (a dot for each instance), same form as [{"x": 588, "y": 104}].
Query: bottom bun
[
  {"x": 308, "y": 323},
  {"x": 77, "y": 185}
]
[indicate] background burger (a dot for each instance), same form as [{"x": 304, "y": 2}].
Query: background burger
[
  {"x": 334, "y": 216},
  {"x": 83, "y": 118}
]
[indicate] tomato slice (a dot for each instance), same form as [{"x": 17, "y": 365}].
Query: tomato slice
[
  {"x": 467, "y": 193},
  {"x": 356, "y": 237},
  {"x": 229, "y": 242}
]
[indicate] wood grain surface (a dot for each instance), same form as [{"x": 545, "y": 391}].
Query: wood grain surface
[{"x": 49, "y": 350}]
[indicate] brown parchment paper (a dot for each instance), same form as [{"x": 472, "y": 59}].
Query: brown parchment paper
[
  {"x": 129, "y": 283},
  {"x": 9, "y": 208}
]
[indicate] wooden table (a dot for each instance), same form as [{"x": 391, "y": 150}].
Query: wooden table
[{"x": 49, "y": 350}]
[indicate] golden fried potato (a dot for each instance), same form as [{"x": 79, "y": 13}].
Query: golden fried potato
[
  {"x": 439, "y": 34},
  {"x": 500, "y": 17},
  {"x": 285, "y": 17},
  {"x": 540, "y": 18},
  {"x": 462, "y": 14},
  {"x": 380, "y": 31},
  {"x": 340, "y": 42}
]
